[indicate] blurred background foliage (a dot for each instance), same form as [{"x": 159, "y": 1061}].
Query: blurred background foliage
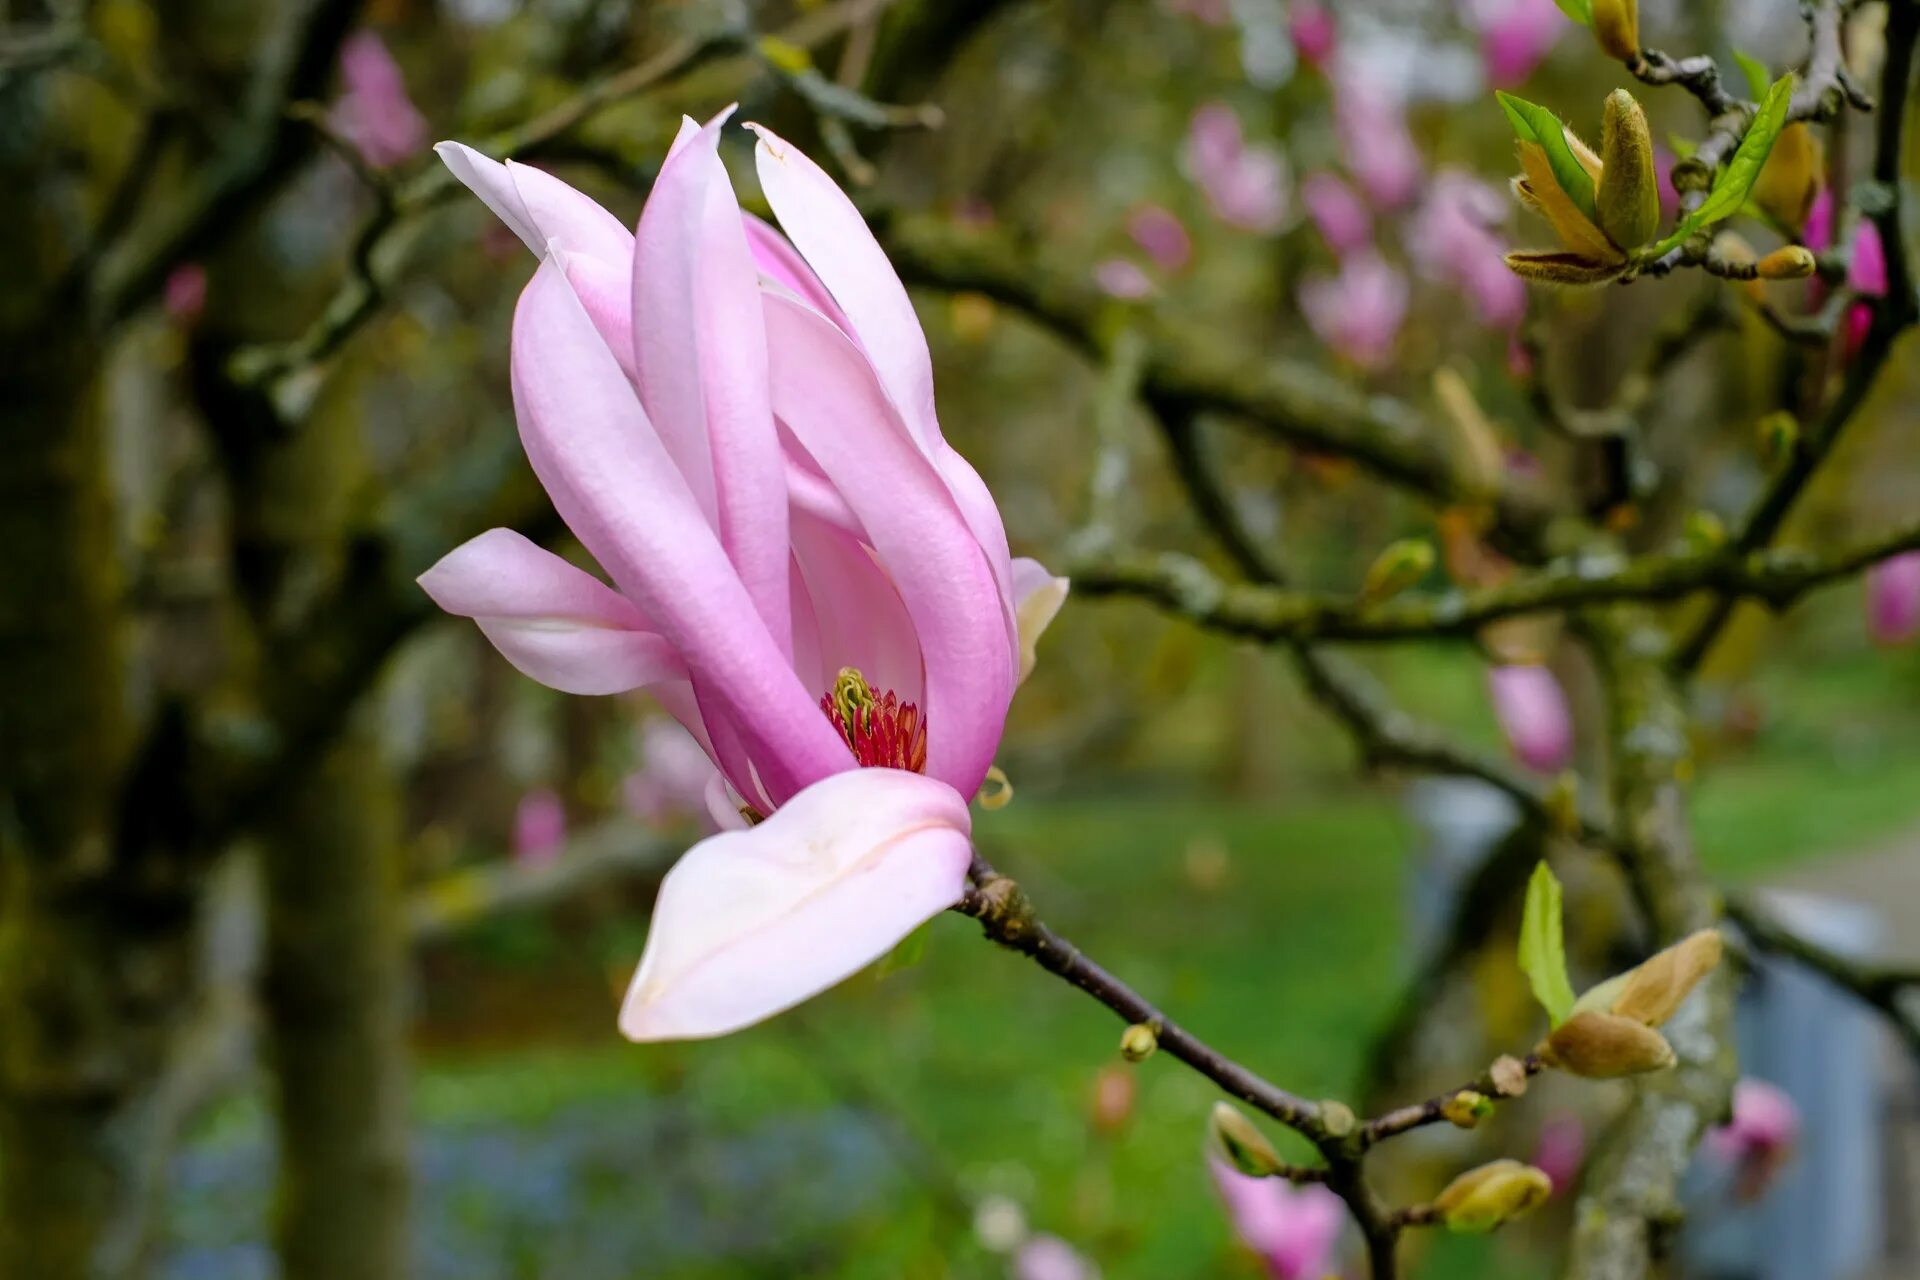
[{"x": 1183, "y": 808}]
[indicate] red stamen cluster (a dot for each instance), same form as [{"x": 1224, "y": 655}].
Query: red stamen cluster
[{"x": 882, "y": 732}]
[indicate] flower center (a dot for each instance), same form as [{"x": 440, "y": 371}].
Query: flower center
[{"x": 881, "y": 731}]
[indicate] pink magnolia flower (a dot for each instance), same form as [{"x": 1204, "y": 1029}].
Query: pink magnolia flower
[
  {"x": 1757, "y": 1141},
  {"x": 1451, "y": 239},
  {"x": 674, "y": 778},
  {"x": 374, "y": 111},
  {"x": 739, "y": 427},
  {"x": 1371, "y": 120},
  {"x": 1893, "y": 599},
  {"x": 1663, "y": 162},
  {"x": 1045, "y": 1257},
  {"x": 184, "y": 296},
  {"x": 1163, "y": 237},
  {"x": 1311, "y": 26},
  {"x": 1532, "y": 711},
  {"x": 1292, "y": 1229},
  {"x": 1357, "y": 312},
  {"x": 1246, "y": 186},
  {"x": 539, "y": 827},
  {"x": 1561, "y": 1149},
  {"x": 1342, "y": 217},
  {"x": 1867, "y": 276},
  {"x": 1515, "y": 36},
  {"x": 1121, "y": 278}
]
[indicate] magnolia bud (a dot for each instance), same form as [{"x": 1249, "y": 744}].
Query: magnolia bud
[
  {"x": 1482, "y": 460},
  {"x": 1138, "y": 1042},
  {"x": 1732, "y": 248},
  {"x": 1788, "y": 184},
  {"x": 1337, "y": 1118},
  {"x": 1627, "y": 200},
  {"x": 1466, "y": 1109},
  {"x": 1491, "y": 1196},
  {"x": 1602, "y": 1046},
  {"x": 1792, "y": 262},
  {"x": 1509, "y": 1075},
  {"x": 1616, "y": 25},
  {"x": 1655, "y": 989},
  {"x": 1562, "y": 803},
  {"x": 1398, "y": 567},
  {"x": 1244, "y": 1146}
]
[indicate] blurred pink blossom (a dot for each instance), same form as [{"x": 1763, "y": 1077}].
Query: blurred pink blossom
[
  {"x": 374, "y": 111},
  {"x": 1893, "y": 599},
  {"x": 1292, "y": 1229},
  {"x": 1370, "y": 118},
  {"x": 1759, "y": 1138},
  {"x": 539, "y": 827},
  {"x": 1663, "y": 162},
  {"x": 1561, "y": 1148},
  {"x": 1359, "y": 311},
  {"x": 1122, "y": 278},
  {"x": 1160, "y": 233},
  {"x": 1337, "y": 210},
  {"x": 1045, "y": 1257},
  {"x": 185, "y": 296},
  {"x": 1532, "y": 711},
  {"x": 1246, "y": 186},
  {"x": 1818, "y": 233},
  {"x": 670, "y": 783},
  {"x": 1311, "y": 26},
  {"x": 1515, "y": 35},
  {"x": 1867, "y": 276},
  {"x": 1451, "y": 239}
]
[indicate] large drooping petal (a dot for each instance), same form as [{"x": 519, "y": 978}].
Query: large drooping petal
[
  {"x": 700, "y": 350},
  {"x": 556, "y": 623},
  {"x": 825, "y": 392},
  {"x": 611, "y": 480},
  {"x": 1037, "y": 597},
  {"x": 752, "y": 922}
]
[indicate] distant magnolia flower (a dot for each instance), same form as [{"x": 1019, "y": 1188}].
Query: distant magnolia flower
[
  {"x": 1311, "y": 26},
  {"x": 1162, "y": 236},
  {"x": 1292, "y": 1229},
  {"x": 1369, "y": 115},
  {"x": 1246, "y": 186},
  {"x": 1515, "y": 36},
  {"x": 1338, "y": 212},
  {"x": 1893, "y": 599},
  {"x": 1452, "y": 239},
  {"x": 1045, "y": 1257},
  {"x": 374, "y": 112},
  {"x": 184, "y": 296},
  {"x": 1866, "y": 265},
  {"x": 1759, "y": 1138},
  {"x": 1122, "y": 278},
  {"x": 674, "y": 779},
  {"x": 739, "y": 427},
  {"x": 539, "y": 826},
  {"x": 1358, "y": 312},
  {"x": 1532, "y": 711},
  {"x": 1561, "y": 1149}
]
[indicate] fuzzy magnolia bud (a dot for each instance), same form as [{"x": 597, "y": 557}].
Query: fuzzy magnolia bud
[
  {"x": 1138, "y": 1042},
  {"x": 1655, "y": 989},
  {"x": 1337, "y": 1118},
  {"x": 1616, "y": 25},
  {"x": 1733, "y": 250},
  {"x": 1244, "y": 1146},
  {"x": 1793, "y": 262},
  {"x": 1466, "y": 1109},
  {"x": 1789, "y": 183},
  {"x": 1603, "y": 1046},
  {"x": 1491, "y": 1196},
  {"x": 1627, "y": 200},
  {"x": 1398, "y": 567}
]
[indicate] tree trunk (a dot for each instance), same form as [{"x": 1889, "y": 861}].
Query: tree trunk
[{"x": 336, "y": 1029}]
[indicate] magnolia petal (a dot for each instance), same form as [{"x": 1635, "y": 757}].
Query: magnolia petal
[
  {"x": 780, "y": 262},
  {"x": 613, "y": 483},
  {"x": 555, "y": 623},
  {"x": 825, "y": 392},
  {"x": 1037, "y": 597},
  {"x": 830, "y": 233},
  {"x": 859, "y": 620},
  {"x": 701, "y": 353},
  {"x": 538, "y": 207},
  {"x": 1562, "y": 268},
  {"x": 750, "y": 923}
]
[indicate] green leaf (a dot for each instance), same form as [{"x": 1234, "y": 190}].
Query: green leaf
[
  {"x": 1581, "y": 11},
  {"x": 1543, "y": 948},
  {"x": 1737, "y": 178},
  {"x": 1534, "y": 123},
  {"x": 1756, "y": 73}
]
